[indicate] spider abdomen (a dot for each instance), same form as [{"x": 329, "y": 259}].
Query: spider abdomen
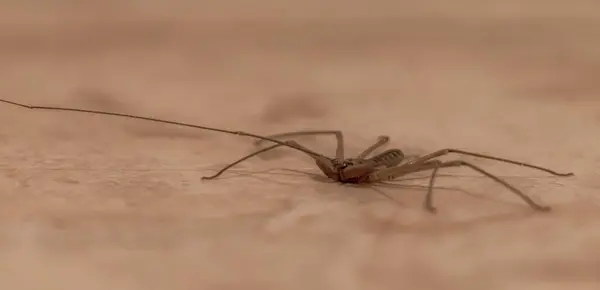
[{"x": 388, "y": 158}]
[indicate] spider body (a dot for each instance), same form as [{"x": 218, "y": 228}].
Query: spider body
[
  {"x": 388, "y": 165},
  {"x": 358, "y": 170}
]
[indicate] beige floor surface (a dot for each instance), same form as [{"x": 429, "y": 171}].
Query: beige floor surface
[{"x": 95, "y": 202}]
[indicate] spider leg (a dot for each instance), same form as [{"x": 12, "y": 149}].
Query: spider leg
[
  {"x": 339, "y": 136},
  {"x": 289, "y": 143},
  {"x": 381, "y": 140},
  {"x": 485, "y": 156},
  {"x": 435, "y": 165}
]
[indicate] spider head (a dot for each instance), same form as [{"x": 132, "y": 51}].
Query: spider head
[
  {"x": 352, "y": 170},
  {"x": 341, "y": 164}
]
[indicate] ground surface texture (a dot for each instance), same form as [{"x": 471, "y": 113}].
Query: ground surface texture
[{"x": 94, "y": 202}]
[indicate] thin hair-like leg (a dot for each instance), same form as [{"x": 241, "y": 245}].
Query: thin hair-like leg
[
  {"x": 239, "y": 133},
  {"x": 408, "y": 168},
  {"x": 381, "y": 140},
  {"x": 436, "y": 165},
  {"x": 339, "y": 137},
  {"x": 292, "y": 143},
  {"x": 439, "y": 153},
  {"x": 428, "y": 202}
]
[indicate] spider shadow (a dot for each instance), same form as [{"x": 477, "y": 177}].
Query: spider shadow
[
  {"x": 443, "y": 227},
  {"x": 397, "y": 185},
  {"x": 433, "y": 227},
  {"x": 376, "y": 187},
  {"x": 237, "y": 173}
]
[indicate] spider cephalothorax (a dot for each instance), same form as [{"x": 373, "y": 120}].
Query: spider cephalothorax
[
  {"x": 358, "y": 170},
  {"x": 352, "y": 170}
]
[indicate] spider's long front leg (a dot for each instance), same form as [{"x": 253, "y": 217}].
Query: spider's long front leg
[
  {"x": 289, "y": 143},
  {"x": 339, "y": 137}
]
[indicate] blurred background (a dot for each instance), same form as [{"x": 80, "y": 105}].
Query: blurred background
[{"x": 93, "y": 202}]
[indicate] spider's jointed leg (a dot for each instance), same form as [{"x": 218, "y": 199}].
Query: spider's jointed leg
[
  {"x": 381, "y": 140},
  {"x": 295, "y": 144},
  {"x": 341, "y": 170},
  {"x": 485, "y": 156},
  {"x": 151, "y": 119},
  {"x": 435, "y": 165},
  {"x": 339, "y": 137}
]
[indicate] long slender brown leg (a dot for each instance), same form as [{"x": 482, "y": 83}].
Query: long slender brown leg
[
  {"x": 394, "y": 172},
  {"x": 241, "y": 160},
  {"x": 292, "y": 143},
  {"x": 428, "y": 203},
  {"x": 381, "y": 140},
  {"x": 449, "y": 150},
  {"x": 435, "y": 165},
  {"x": 339, "y": 136},
  {"x": 239, "y": 133},
  {"x": 458, "y": 163}
]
